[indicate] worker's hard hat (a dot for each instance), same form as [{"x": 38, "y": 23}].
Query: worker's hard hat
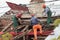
[
  {"x": 32, "y": 14},
  {"x": 44, "y": 6},
  {"x": 18, "y": 15}
]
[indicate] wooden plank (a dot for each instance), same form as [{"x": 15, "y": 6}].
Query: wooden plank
[
  {"x": 40, "y": 37},
  {"x": 1, "y": 27},
  {"x": 45, "y": 33},
  {"x": 51, "y": 24},
  {"x": 39, "y": 20},
  {"x": 7, "y": 27},
  {"x": 40, "y": 17},
  {"x": 29, "y": 17},
  {"x": 23, "y": 34},
  {"x": 20, "y": 35},
  {"x": 26, "y": 28},
  {"x": 21, "y": 26}
]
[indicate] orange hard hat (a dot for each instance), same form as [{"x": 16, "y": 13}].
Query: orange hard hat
[
  {"x": 32, "y": 14},
  {"x": 18, "y": 15},
  {"x": 44, "y": 6}
]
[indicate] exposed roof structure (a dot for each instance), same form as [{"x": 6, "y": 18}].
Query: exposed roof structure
[{"x": 17, "y": 7}]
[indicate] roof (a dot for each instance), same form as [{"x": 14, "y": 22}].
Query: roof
[{"x": 17, "y": 7}]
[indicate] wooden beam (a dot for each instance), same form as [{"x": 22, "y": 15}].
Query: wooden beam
[
  {"x": 23, "y": 34},
  {"x": 1, "y": 27},
  {"x": 21, "y": 26},
  {"x": 30, "y": 17},
  {"x": 7, "y": 27},
  {"x": 20, "y": 35},
  {"x": 25, "y": 28},
  {"x": 40, "y": 37}
]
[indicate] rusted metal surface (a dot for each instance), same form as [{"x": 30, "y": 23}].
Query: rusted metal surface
[{"x": 16, "y": 7}]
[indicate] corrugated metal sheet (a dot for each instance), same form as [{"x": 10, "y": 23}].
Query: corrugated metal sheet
[{"x": 16, "y": 7}]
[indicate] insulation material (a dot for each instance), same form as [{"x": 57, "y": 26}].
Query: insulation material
[{"x": 56, "y": 34}]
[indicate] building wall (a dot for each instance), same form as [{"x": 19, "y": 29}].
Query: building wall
[
  {"x": 37, "y": 0},
  {"x": 36, "y": 8}
]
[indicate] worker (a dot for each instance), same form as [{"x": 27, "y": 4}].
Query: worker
[
  {"x": 19, "y": 15},
  {"x": 16, "y": 21},
  {"x": 34, "y": 20},
  {"x": 48, "y": 12},
  {"x": 36, "y": 25}
]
